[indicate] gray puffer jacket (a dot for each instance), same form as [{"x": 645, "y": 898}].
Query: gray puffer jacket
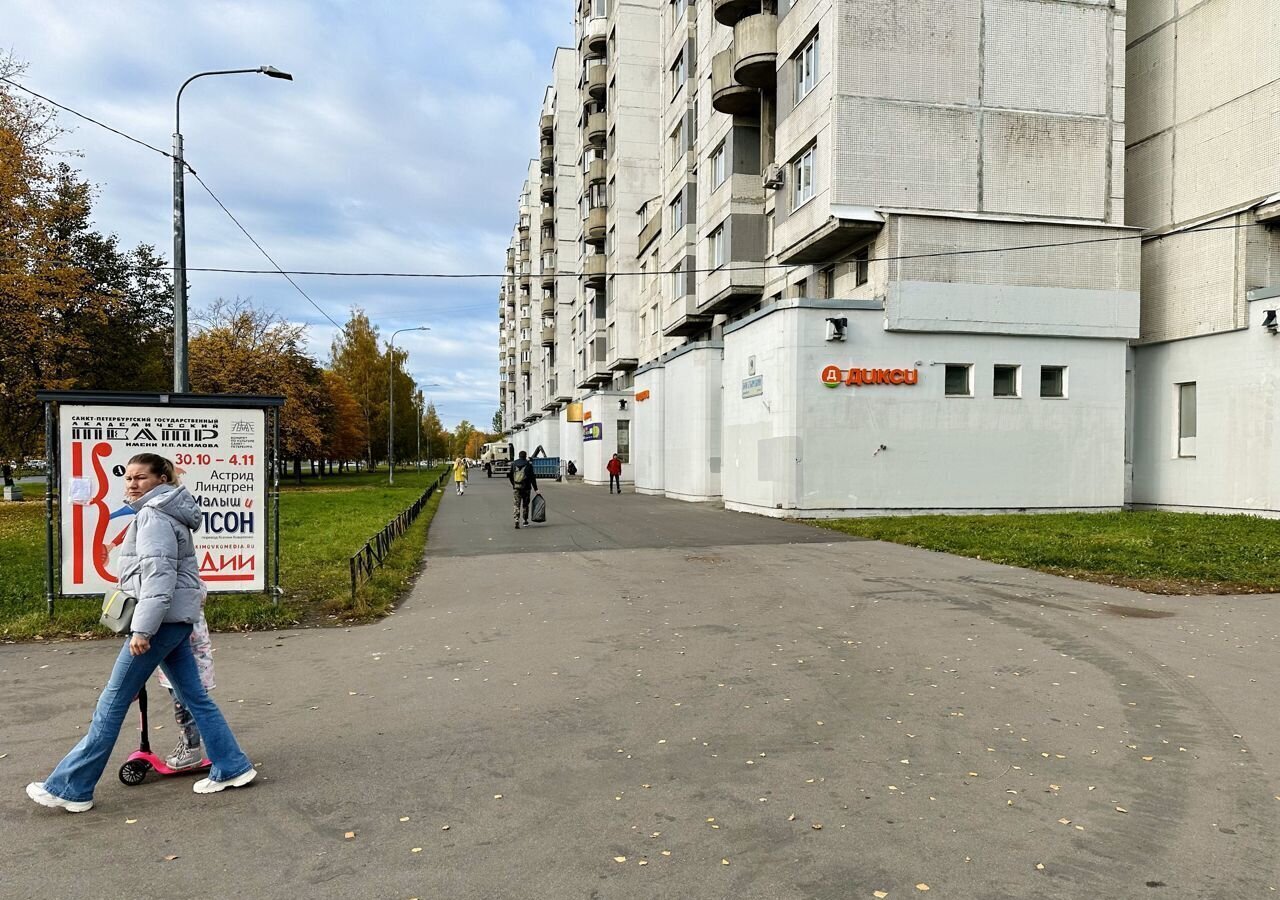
[{"x": 158, "y": 559}]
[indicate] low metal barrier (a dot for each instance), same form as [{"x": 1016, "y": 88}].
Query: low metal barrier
[{"x": 375, "y": 550}]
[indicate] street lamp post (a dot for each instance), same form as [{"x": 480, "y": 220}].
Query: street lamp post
[
  {"x": 391, "y": 401},
  {"x": 181, "y": 379}
]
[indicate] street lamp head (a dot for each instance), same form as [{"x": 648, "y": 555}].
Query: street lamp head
[{"x": 273, "y": 72}]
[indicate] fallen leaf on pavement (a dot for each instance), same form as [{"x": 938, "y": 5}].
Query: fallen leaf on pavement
[
  {"x": 619, "y": 859},
  {"x": 349, "y": 835}
]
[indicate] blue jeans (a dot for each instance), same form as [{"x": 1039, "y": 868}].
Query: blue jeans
[{"x": 75, "y": 777}]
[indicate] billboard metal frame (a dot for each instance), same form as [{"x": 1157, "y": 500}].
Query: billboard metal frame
[{"x": 53, "y": 507}]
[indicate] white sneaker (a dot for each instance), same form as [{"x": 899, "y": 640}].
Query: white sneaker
[
  {"x": 36, "y": 791},
  {"x": 209, "y": 786}
]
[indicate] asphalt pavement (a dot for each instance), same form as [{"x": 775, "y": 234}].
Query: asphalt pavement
[{"x": 644, "y": 698}]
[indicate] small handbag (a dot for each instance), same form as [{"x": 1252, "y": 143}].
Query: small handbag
[{"x": 117, "y": 611}]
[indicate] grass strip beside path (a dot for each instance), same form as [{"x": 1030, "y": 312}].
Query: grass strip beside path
[
  {"x": 322, "y": 523},
  {"x": 1155, "y": 552}
]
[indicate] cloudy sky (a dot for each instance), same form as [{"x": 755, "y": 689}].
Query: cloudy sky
[{"x": 401, "y": 145}]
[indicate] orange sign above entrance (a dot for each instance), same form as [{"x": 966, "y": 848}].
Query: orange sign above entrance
[
  {"x": 834, "y": 376},
  {"x": 642, "y": 396}
]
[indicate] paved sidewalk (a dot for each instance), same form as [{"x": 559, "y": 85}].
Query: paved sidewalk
[{"x": 647, "y": 699}]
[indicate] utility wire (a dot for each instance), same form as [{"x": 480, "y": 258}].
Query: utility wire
[
  {"x": 277, "y": 270},
  {"x": 255, "y": 243},
  {"x": 73, "y": 112}
]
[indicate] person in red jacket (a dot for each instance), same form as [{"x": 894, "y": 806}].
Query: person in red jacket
[{"x": 614, "y": 468}]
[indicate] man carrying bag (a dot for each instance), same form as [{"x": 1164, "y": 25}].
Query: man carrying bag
[{"x": 524, "y": 485}]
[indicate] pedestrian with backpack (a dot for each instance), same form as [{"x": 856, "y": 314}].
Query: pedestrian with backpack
[{"x": 524, "y": 485}]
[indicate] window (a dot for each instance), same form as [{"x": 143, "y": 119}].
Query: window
[
  {"x": 657, "y": 320},
  {"x": 806, "y": 67},
  {"x": 643, "y": 321},
  {"x": 622, "y": 428},
  {"x": 718, "y": 168},
  {"x": 862, "y": 266},
  {"x": 959, "y": 380},
  {"x": 599, "y": 9},
  {"x": 827, "y": 283},
  {"x": 675, "y": 144},
  {"x": 678, "y": 281},
  {"x": 802, "y": 177},
  {"x": 1187, "y": 419},
  {"x": 1004, "y": 381},
  {"x": 677, "y": 212},
  {"x": 677, "y": 73},
  {"x": 716, "y": 247},
  {"x": 677, "y": 10},
  {"x": 1053, "y": 381}
]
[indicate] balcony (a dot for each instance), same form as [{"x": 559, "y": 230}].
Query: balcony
[
  {"x": 548, "y": 305},
  {"x": 730, "y": 12},
  {"x": 727, "y": 96},
  {"x": 597, "y": 129},
  {"x": 593, "y": 269},
  {"x": 548, "y": 125},
  {"x": 687, "y": 319},
  {"x": 548, "y": 188},
  {"x": 623, "y": 364},
  {"x": 755, "y": 47},
  {"x": 526, "y": 321},
  {"x": 732, "y": 286},
  {"x": 595, "y": 35},
  {"x": 596, "y": 225},
  {"x": 597, "y": 172},
  {"x": 548, "y": 217},
  {"x": 548, "y": 263},
  {"x": 651, "y": 230},
  {"x": 598, "y": 82},
  {"x": 524, "y": 281},
  {"x": 526, "y": 344},
  {"x": 548, "y": 158},
  {"x": 548, "y": 244},
  {"x": 524, "y": 367},
  {"x": 548, "y": 335}
]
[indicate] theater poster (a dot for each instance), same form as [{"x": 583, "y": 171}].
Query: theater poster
[{"x": 220, "y": 458}]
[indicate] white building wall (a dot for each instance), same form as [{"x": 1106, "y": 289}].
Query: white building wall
[
  {"x": 1236, "y": 466},
  {"x": 692, "y": 417},
  {"x": 648, "y": 440},
  {"x": 604, "y": 410},
  {"x": 570, "y": 439},
  {"x": 803, "y": 448}
]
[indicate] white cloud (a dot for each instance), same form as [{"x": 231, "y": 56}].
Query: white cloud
[{"x": 400, "y": 146}]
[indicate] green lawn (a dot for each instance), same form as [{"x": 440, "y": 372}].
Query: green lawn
[
  {"x": 322, "y": 523},
  {"x": 1157, "y": 552}
]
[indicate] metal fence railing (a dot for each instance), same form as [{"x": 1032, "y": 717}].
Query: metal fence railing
[{"x": 375, "y": 550}]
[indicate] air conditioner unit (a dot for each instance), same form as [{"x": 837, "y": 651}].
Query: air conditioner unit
[{"x": 773, "y": 178}]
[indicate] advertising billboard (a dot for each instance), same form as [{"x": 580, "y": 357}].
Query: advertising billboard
[{"x": 220, "y": 457}]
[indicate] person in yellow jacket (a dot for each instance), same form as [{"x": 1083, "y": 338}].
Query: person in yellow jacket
[{"x": 460, "y": 475}]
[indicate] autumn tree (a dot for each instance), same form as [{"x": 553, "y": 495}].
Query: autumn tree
[
  {"x": 435, "y": 440},
  {"x": 342, "y": 431},
  {"x": 355, "y": 357},
  {"x": 76, "y": 311},
  {"x": 240, "y": 349},
  {"x": 462, "y": 433}
]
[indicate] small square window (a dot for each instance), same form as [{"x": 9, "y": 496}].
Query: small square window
[
  {"x": 1053, "y": 381},
  {"x": 1004, "y": 381},
  {"x": 959, "y": 380}
]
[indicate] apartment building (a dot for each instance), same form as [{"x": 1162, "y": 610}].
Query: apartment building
[
  {"x": 1203, "y": 181},
  {"x": 853, "y": 258}
]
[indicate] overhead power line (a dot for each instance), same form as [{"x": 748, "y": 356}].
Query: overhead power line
[{"x": 278, "y": 270}]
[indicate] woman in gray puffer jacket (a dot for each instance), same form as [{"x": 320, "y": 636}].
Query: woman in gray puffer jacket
[{"x": 158, "y": 567}]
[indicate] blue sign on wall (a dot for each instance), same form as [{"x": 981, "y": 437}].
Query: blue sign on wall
[{"x": 592, "y": 432}]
